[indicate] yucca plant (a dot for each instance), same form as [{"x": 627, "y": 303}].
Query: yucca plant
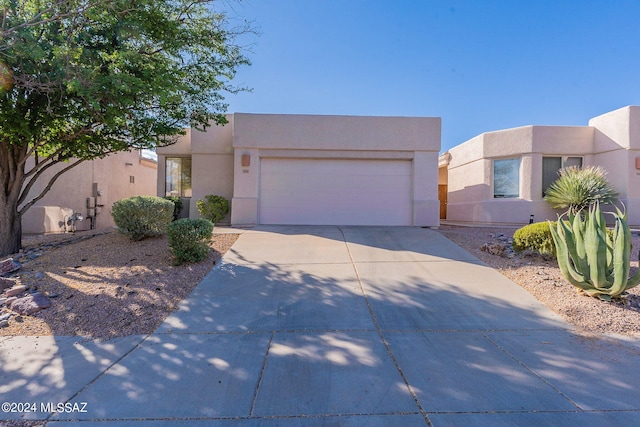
[
  {"x": 578, "y": 188},
  {"x": 592, "y": 259}
]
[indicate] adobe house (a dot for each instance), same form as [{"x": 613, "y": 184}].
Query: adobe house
[
  {"x": 89, "y": 189},
  {"x": 310, "y": 169},
  {"x": 500, "y": 177}
]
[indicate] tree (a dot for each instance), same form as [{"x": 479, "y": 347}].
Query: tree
[
  {"x": 578, "y": 188},
  {"x": 80, "y": 79}
]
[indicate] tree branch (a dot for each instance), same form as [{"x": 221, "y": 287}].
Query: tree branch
[{"x": 29, "y": 185}]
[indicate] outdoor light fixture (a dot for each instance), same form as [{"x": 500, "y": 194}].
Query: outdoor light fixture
[{"x": 531, "y": 219}]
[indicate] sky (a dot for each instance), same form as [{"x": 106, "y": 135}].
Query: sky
[{"x": 480, "y": 65}]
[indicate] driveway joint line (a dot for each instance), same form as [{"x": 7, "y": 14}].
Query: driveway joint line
[
  {"x": 382, "y": 337},
  {"x": 262, "y": 368},
  {"x": 534, "y": 373},
  {"x": 100, "y": 375}
]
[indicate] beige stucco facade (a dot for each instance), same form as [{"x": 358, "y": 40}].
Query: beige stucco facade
[
  {"x": 611, "y": 140},
  {"x": 227, "y": 160},
  {"x": 102, "y": 181}
]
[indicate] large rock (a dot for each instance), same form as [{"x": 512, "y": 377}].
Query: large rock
[
  {"x": 15, "y": 291},
  {"x": 9, "y": 265},
  {"x": 6, "y": 282},
  {"x": 30, "y": 304}
]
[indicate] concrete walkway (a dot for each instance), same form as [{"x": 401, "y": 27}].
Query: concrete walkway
[{"x": 343, "y": 326}]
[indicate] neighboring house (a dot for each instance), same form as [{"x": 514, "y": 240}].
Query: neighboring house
[
  {"x": 310, "y": 169},
  {"x": 500, "y": 177},
  {"x": 89, "y": 189}
]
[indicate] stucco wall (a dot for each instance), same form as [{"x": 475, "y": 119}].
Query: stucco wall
[
  {"x": 112, "y": 177},
  {"x": 309, "y": 136},
  {"x": 470, "y": 173},
  {"x": 611, "y": 140},
  {"x": 212, "y": 164}
]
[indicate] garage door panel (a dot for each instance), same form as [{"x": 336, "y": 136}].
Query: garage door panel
[{"x": 347, "y": 192}]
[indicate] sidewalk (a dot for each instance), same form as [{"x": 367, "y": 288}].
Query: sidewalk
[{"x": 345, "y": 326}]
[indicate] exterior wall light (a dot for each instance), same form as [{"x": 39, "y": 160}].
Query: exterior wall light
[{"x": 245, "y": 162}]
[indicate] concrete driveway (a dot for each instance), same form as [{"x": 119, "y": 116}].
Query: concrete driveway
[{"x": 343, "y": 326}]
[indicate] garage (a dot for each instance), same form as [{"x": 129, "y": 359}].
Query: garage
[{"x": 335, "y": 191}]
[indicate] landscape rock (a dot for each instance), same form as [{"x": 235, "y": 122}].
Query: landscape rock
[
  {"x": 9, "y": 301},
  {"x": 9, "y": 265},
  {"x": 15, "y": 290},
  {"x": 7, "y": 282},
  {"x": 30, "y": 304},
  {"x": 498, "y": 249},
  {"x": 4, "y": 323}
]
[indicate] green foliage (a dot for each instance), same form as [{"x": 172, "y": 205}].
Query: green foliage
[
  {"x": 189, "y": 239},
  {"x": 177, "y": 205},
  {"x": 592, "y": 259},
  {"x": 214, "y": 208},
  {"x": 82, "y": 79},
  {"x": 579, "y": 188},
  {"x": 142, "y": 216},
  {"x": 536, "y": 237}
]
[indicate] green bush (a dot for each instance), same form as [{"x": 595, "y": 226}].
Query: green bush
[
  {"x": 177, "y": 205},
  {"x": 536, "y": 236},
  {"x": 142, "y": 216},
  {"x": 579, "y": 188},
  {"x": 189, "y": 239},
  {"x": 214, "y": 208}
]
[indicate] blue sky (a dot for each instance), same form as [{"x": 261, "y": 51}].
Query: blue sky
[{"x": 479, "y": 65}]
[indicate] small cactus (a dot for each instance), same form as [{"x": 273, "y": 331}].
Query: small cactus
[{"x": 592, "y": 259}]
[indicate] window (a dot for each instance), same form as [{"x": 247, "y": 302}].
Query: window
[
  {"x": 551, "y": 166},
  {"x": 506, "y": 178},
  {"x": 178, "y": 176}
]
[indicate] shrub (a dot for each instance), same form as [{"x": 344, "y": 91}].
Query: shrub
[
  {"x": 536, "y": 236},
  {"x": 214, "y": 208},
  {"x": 578, "y": 188},
  {"x": 177, "y": 205},
  {"x": 189, "y": 239},
  {"x": 142, "y": 216}
]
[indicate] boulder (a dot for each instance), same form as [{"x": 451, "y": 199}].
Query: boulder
[
  {"x": 15, "y": 291},
  {"x": 9, "y": 265},
  {"x": 30, "y": 304},
  {"x": 6, "y": 282}
]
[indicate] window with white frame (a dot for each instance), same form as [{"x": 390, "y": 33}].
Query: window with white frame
[
  {"x": 178, "y": 176},
  {"x": 552, "y": 165},
  {"x": 506, "y": 178}
]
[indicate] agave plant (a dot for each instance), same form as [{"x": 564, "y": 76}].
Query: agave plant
[
  {"x": 578, "y": 188},
  {"x": 592, "y": 259}
]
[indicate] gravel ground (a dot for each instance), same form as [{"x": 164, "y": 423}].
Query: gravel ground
[
  {"x": 543, "y": 280},
  {"x": 103, "y": 285}
]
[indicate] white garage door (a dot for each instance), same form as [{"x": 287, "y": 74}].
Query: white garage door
[{"x": 340, "y": 192}]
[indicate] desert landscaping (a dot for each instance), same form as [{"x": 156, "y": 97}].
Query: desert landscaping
[{"x": 103, "y": 285}]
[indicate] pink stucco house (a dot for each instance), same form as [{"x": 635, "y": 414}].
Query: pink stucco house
[
  {"x": 500, "y": 177},
  {"x": 310, "y": 169}
]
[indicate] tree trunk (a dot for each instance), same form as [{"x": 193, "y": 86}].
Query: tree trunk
[{"x": 10, "y": 230}]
